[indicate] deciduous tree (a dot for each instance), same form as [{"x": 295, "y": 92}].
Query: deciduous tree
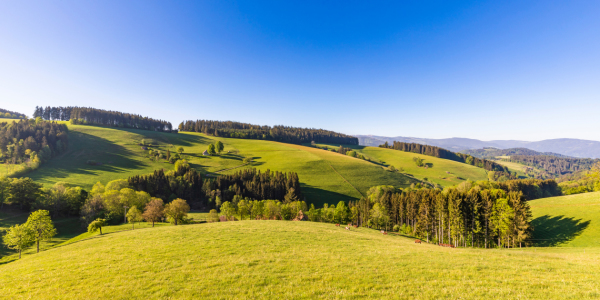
[
  {"x": 40, "y": 223},
  {"x": 177, "y": 210},
  {"x": 19, "y": 237},
  {"x": 154, "y": 211},
  {"x": 134, "y": 215}
]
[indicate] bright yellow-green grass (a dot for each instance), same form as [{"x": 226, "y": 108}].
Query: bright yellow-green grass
[
  {"x": 567, "y": 221},
  {"x": 440, "y": 171},
  {"x": 326, "y": 177},
  {"x": 291, "y": 260},
  {"x": 66, "y": 228}
]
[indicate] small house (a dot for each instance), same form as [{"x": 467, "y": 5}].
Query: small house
[{"x": 205, "y": 153}]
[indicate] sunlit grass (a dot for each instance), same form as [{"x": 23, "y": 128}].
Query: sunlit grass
[{"x": 283, "y": 259}]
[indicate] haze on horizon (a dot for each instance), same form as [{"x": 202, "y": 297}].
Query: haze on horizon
[{"x": 484, "y": 70}]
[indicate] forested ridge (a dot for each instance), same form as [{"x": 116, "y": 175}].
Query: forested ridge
[
  {"x": 492, "y": 153},
  {"x": 31, "y": 141},
  {"x": 555, "y": 166},
  {"x": 443, "y": 153},
  {"x": 94, "y": 116},
  {"x": 279, "y": 133},
  {"x": 11, "y": 114}
]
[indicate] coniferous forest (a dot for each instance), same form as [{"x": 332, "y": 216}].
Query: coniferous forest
[
  {"x": 285, "y": 134},
  {"x": 462, "y": 217},
  {"x": 93, "y": 116},
  {"x": 209, "y": 192},
  {"x": 31, "y": 140},
  {"x": 554, "y": 166}
]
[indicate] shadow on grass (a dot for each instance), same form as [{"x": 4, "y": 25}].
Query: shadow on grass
[
  {"x": 114, "y": 158},
  {"x": 318, "y": 196},
  {"x": 554, "y": 230}
]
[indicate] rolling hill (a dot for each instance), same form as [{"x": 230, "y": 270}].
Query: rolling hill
[
  {"x": 568, "y": 147},
  {"x": 567, "y": 221},
  {"x": 279, "y": 259},
  {"x": 326, "y": 177},
  {"x": 439, "y": 171}
]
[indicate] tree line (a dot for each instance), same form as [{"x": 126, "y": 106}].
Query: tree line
[
  {"x": 94, "y": 116},
  {"x": 4, "y": 113},
  {"x": 552, "y": 165},
  {"x": 187, "y": 183},
  {"x": 32, "y": 142},
  {"x": 279, "y": 133},
  {"x": 443, "y": 153},
  {"x": 492, "y": 153},
  {"x": 475, "y": 217}
]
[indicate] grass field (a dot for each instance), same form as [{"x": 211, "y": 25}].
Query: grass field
[
  {"x": 440, "y": 171},
  {"x": 567, "y": 221},
  {"x": 282, "y": 260},
  {"x": 325, "y": 177}
]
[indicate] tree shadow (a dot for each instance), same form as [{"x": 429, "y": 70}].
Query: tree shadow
[
  {"x": 429, "y": 165},
  {"x": 318, "y": 196},
  {"x": 554, "y": 230}
]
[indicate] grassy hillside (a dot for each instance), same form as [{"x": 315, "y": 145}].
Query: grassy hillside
[
  {"x": 325, "y": 176},
  {"x": 279, "y": 259},
  {"x": 567, "y": 221},
  {"x": 441, "y": 171}
]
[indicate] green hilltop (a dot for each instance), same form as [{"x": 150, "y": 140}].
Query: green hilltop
[{"x": 326, "y": 177}]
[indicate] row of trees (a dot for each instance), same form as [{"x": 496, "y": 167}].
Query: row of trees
[
  {"x": 187, "y": 183},
  {"x": 4, "y": 113},
  {"x": 443, "y": 153},
  {"x": 474, "y": 217},
  {"x": 31, "y": 140},
  {"x": 588, "y": 181},
  {"x": 285, "y": 134},
  {"x": 60, "y": 199},
  {"x": 95, "y": 116},
  {"x": 39, "y": 227}
]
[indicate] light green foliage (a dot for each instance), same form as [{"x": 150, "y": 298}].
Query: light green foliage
[
  {"x": 180, "y": 150},
  {"x": 213, "y": 216},
  {"x": 219, "y": 147},
  {"x": 501, "y": 219},
  {"x": 182, "y": 163},
  {"x": 351, "y": 153},
  {"x": 211, "y": 149},
  {"x": 117, "y": 185},
  {"x": 176, "y": 211},
  {"x": 134, "y": 215},
  {"x": 41, "y": 225},
  {"x": 243, "y": 209},
  {"x": 96, "y": 225},
  {"x": 418, "y": 161},
  {"x": 19, "y": 237},
  {"x": 342, "y": 213},
  {"x": 4, "y": 190},
  {"x": 228, "y": 209},
  {"x": 379, "y": 216}
]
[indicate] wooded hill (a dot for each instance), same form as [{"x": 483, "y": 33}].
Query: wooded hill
[
  {"x": 94, "y": 116},
  {"x": 284, "y": 134},
  {"x": 28, "y": 140},
  {"x": 11, "y": 114},
  {"x": 552, "y": 165},
  {"x": 492, "y": 153}
]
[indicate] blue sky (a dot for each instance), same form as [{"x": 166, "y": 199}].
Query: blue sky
[{"x": 525, "y": 70}]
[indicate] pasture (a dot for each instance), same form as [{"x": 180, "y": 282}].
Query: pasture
[
  {"x": 283, "y": 259},
  {"x": 326, "y": 177},
  {"x": 440, "y": 171},
  {"x": 567, "y": 221}
]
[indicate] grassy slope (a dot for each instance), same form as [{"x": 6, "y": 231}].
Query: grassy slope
[
  {"x": 66, "y": 228},
  {"x": 436, "y": 173},
  {"x": 571, "y": 221},
  {"x": 279, "y": 259},
  {"x": 326, "y": 177}
]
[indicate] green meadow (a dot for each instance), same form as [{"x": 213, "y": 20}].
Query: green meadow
[
  {"x": 326, "y": 177},
  {"x": 567, "y": 221},
  {"x": 440, "y": 171},
  {"x": 283, "y": 259}
]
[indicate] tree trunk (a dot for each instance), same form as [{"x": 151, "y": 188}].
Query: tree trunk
[
  {"x": 38, "y": 246},
  {"x": 132, "y": 226},
  {"x": 152, "y": 223},
  {"x": 20, "y": 253},
  {"x": 100, "y": 230}
]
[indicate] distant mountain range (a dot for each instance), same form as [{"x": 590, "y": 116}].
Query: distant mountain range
[{"x": 569, "y": 147}]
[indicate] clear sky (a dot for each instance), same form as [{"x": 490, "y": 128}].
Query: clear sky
[{"x": 525, "y": 70}]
